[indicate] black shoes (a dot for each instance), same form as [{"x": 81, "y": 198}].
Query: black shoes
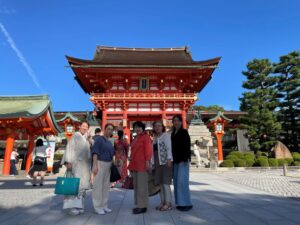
[
  {"x": 184, "y": 208},
  {"x": 139, "y": 210}
]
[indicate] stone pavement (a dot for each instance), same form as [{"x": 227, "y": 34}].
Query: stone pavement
[
  {"x": 216, "y": 197},
  {"x": 271, "y": 181}
]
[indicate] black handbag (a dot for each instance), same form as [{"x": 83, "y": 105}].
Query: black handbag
[{"x": 114, "y": 173}]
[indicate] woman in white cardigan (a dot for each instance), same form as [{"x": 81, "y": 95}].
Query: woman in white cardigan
[{"x": 162, "y": 161}]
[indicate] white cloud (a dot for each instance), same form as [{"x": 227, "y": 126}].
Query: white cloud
[{"x": 20, "y": 56}]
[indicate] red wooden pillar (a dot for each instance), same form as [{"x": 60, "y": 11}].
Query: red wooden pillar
[
  {"x": 183, "y": 114},
  {"x": 219, "y": 146},
  {"x": 125, "y": 124},
  {"x": 29, "y": 154},
  {"x": 104, "y": 120},
  {"x": 8, "y": 150}
]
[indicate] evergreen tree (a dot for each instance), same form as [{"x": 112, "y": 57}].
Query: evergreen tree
[
  {"x": 288, "y": 72},
  {"x": 211, "y": 108},
  {"x": 260, "y": 103}
]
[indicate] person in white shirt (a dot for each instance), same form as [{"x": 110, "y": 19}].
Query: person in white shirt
[
  {"x": 197, "y": 153},
  {"x": 13, "y": 157},
  {"x": 39, "y": 158}
]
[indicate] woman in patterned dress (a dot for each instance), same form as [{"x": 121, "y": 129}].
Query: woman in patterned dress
[{"x": 121, "y": 155}]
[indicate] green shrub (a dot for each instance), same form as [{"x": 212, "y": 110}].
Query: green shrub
[
  {"x": 227, "y": 163},
  {"x": 281, "y": 162},
  {"x": 237, "y": 154},
  {"x": 231, "y": 157},
  {"x": 289, "y": 161},
  {"x": 273, "y": 162},
  {"x": 296, "y": 156},
  {"x": 296, "y": 163},
  {"x": 262, "y": 161},
  {"x": 249, "y": 162},
  {"x": 249, "y": 155},
  {"x": 58, "y": 157},
  {"x": 239, "y": 163},
  {"x": 260, "y": 153}
]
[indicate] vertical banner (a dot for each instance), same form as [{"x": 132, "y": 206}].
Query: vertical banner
[{"x": 50, "y": 154}]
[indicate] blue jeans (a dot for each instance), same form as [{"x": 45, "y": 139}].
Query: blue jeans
[
  {"x": 13, "y": 167},
  {"x": 181, "y": 178}
]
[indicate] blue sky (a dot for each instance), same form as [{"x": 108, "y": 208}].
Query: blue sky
[{"x": 36, "y": 35}]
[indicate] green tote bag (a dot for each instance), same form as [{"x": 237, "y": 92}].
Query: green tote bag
[{"x": 67, "y": 186}]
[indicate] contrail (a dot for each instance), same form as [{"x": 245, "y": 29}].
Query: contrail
[{"x": 20, "y": 56}]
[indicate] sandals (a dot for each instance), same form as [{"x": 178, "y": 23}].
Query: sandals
[
  {"x": 159, "y": 206},
  {"x": 166, "y": 207}
]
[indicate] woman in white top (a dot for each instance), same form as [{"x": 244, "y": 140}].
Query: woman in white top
[
  {"x": 39, "y": 158},
  {"x": 162, "y": 160},
  {"x": 77, "y": 159},
  {"x": 13, "y": 158}
]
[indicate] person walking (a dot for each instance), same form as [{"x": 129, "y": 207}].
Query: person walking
[
  {"x": 13, "y": 160},
  {"x": 140, "y": 165},
  {"x": 77, "y": 160},
  {"x": 181, "y": 149},
  {"x": 103, "y": 152},
  {"x": 121, "y": 155},
  {"x": 39, "y": 157},
  {"x": 162, "y": 160}
]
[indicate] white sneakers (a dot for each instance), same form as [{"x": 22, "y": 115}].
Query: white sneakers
[
  {"x": 107, "y": 210},
  {"x": 103, "y": 211},
  {"x": 100, "y": 211},
  {"x": 75, "y": 212}
]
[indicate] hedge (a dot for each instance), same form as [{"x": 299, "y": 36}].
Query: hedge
[
  {"x": 289, "y": 161},
  {"x": 239, "y": 163},
  {"x": 281, "y": 162},
  {"x": 260, "y": 153},
  {"x": 296, "y": 156},
  {"x": 249, "y": 162},
  {"x": 296, "y": 163},
  {"x": 249, "y": 155},
  {"x": 227, "y": 163},
  {"x": 232, "y": 157},
  {"x": 273, "y": 162},
  {"x": 237, "y": 154},
  {"x": 262, "y": 161}
]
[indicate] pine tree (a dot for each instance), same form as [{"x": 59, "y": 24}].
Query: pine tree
[
  {"x": 288, "y": 72},
  {"x": 260, "y": 103}
]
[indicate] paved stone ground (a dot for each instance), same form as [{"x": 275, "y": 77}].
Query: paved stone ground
[
  {"x": 271, "y": 181},
  {"x": 217, "y": 198}
]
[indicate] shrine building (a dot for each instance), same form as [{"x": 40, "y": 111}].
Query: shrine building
[{"x": 146, "y": 84}]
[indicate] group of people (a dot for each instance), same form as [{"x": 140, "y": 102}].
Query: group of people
[{"x": 166, "y": 158}]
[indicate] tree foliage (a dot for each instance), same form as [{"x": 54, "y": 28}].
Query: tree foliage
[
  {"x": 260, "y": 102},
  {"x": 211, "y": 108},
  {"x": 288, "y": 85}
]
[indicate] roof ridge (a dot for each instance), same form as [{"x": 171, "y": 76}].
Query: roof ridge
[{"x": 101, "y": 47}]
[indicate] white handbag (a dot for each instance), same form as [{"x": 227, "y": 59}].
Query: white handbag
[{"x": 73, "y": 202}]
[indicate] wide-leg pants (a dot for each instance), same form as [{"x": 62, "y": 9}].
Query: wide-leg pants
[
  {"x": 181, "y": 184},
  {"x": 101, "y": 185},
  {"x": 140, "y": 185}
]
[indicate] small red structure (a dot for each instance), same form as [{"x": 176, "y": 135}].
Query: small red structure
[
  {"x": 147, "y": 84},
  {"x": 25, "y": 118},
  {"x": 218, "y": 123}
]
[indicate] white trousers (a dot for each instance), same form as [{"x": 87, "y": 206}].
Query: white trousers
[
  {"x": 101, "y": 185},
  {"x": 198, "y": 158}
]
